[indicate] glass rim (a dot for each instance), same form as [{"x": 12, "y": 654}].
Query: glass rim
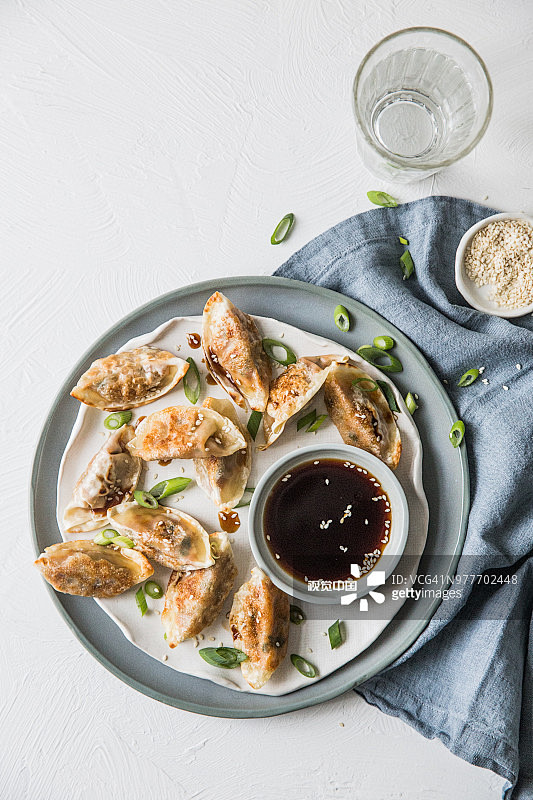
[{"x": 424, "y": 165}]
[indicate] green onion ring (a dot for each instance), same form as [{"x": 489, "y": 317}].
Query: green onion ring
[
  {"x": 224, "y": 657},
  {"x": 469, "y": 377},
  {"x": 410, "y": 402},
  {"x": 303, "y": 666},
  {"x": 382, "y": 199},
  {"x": 246, "y": 501},
  {"x": 254, "y": 421},
  {"x": 407, "y": 264},
  {"x": 342, "y": 319},
  {"x": 270, "y": 344},
  {"x": 169, "y": 487},
  {"x": 308, "y": 419},
  {"x": 145, "y": 499},
  {"x": 457, "y": 433},
  {"x": 284, "y": 227},
  {"x": 384, "y": 342},
  {"x": 116, "y": 420},
  {"x": 103, "y": 538},
  {"x": 373, "y": 355},
  {"x": 140, "y": 599},
  {"x": 317, "y": 423},
  {"x": 335, "y": 635},
  {"x": 358, "y": 381},
  {"x": 297, "y": 616},
  {"x": 153, "y": 589},
  {"x": 389, "y": 396},
  {"x": 123, "y": 541},
  {"x": 192, "y": 394}
]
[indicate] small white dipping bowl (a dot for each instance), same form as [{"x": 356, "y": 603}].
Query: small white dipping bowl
[
  {"x": 343, "y": 452},
  {"x": 478, "y": 296}
]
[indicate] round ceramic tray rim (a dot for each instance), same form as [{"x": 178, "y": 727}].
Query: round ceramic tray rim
[{"x": 296, "y": 700}]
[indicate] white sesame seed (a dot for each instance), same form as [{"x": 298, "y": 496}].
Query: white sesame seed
[
  {"x": 316, "y": 462},
  {"x": 277, "y": 555},
  {"x": 164, "y": 658},
  {"x": 327, "y": 481},
  {"x": 505, "y": 388},
  {"x": 485, "y": 381},
  {"x": 481, "y": 370},
  {"x": 519, "y": 366}
]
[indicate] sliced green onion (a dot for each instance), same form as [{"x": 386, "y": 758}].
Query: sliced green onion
[
  {"x": 282, "y": 229},
  {"x": 374, "y": 355},
  {"x": 153, "y": 589},
  {"x": 317, "y": 423},
  {"x": 308, "y": 419},
  {"x": 335, "y": 635},
  {"x": 297, "y": 615},
  {"x": 225, "y": 657},
  {"x": 270, "y": 344},
  {"x": 384, "y": 342},
  {"x": 342, "y": 319},
  {"x": 457, "y": 433},
  {"x": 407, "y": 264},
  {"x": 145, "y": 499},
  {"x": 370, "y": 385},
  {"x": 253, "y": 423},
  {"x": 411, "y": 403},
  {"x": 140, "y": 599},
  {"x": 382, "y": 199},
  {"x": 116, "y": 420},
  {"x": 123, "y": 541},
  {"x": 403, "y": 240},
  {"x": 468, "y": 378},
  {"x": 245, "y": 501},
  {"x": 303, "y": 666},
  {"x": 389, "y": 396},
  {"x": 192, "y": 393},
  {"x": 169, "y": 487},
  {"x": 105, "y": 537}
]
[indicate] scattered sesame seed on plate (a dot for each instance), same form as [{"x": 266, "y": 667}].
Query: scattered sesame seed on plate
[
  {"x": 505, "y": 388},
  {"x": 519, "y": 366}
]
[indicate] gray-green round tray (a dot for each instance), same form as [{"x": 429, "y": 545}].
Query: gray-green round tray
[{"x": 445, "y": 481}]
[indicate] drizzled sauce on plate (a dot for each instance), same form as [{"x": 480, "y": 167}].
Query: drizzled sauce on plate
[
  {"x": 229, "y": 521},
  {"x": 325, "y": 515},
  {"x": 194, "y": 340}
]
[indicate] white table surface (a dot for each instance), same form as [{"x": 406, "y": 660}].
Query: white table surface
[{"x": 143, "y": 146}]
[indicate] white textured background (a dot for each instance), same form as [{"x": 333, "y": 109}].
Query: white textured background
[{"x": 145, "y": 145}]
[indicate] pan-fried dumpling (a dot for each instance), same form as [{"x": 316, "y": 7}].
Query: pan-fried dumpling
[
  {"x": 84, "y": 568},
  {"x": 165, "y": 535},
  {"x": 185, "y": 432},
  {"x": 363, "y": 419},
  {"x": 234, "y": 353},
  {"x": 193, "y": 600},
  {"x": 111, "y": 475},
  {"x": 224, "y": 479},
  {"x": 259, "y": 623},
  {"x": 292, "y": 390},
  {"x": 129, "y": 379}
]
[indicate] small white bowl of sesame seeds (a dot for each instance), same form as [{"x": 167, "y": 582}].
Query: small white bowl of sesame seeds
[
  {"x": 494, "y": 265},
  {"x": 328, "y": 523}
]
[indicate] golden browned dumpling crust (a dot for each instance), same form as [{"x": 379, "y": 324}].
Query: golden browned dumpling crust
[
  {"x": 185, "y": 432},
  {"x": 166, "y": 535},
  {"x": 234, "y": 354},
  {"x": 129, "y": 379},
  {"x": 224, "y": 478},
  {"x": 110, "y": 477},
  {"x": 363, "y": 419},
  {"x": 259, "y": 623},
  {"x": 193, "y": 600},
  {"x": 90, "y": 570}
]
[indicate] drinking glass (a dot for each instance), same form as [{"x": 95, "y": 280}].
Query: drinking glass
[{"x": 423, "y": 100}]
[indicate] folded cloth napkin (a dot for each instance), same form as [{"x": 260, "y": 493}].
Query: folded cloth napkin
[{"x": 468, "y": 679}]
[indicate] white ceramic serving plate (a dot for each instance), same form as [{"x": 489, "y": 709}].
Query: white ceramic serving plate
[
  {"x": 479, "y": 296},
  {"x": 343, "y": 452}
]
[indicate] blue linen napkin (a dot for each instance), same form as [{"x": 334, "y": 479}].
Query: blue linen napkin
[{"x": 468, "y": 679}]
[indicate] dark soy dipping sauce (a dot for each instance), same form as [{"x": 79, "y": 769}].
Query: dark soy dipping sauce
[
  {"x": 210, "y": 380},
  {"x": 194, "y": 340},
  {"x": 299, "y": 506},
  {"x": 229, "y": 521}
]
